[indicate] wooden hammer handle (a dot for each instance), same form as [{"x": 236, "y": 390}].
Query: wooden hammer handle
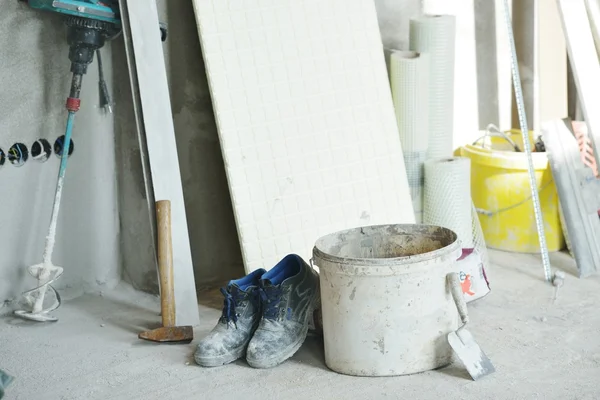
[{"x": 165, "y": 262}]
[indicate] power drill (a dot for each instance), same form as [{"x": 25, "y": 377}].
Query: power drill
[{"x": 90, "y": 23}]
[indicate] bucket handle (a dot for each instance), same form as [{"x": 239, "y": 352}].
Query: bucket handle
[
  {"x": 493, "y": 130},
  {"x": 489, "y": 213},
  {"x": 459, "y": 299}
]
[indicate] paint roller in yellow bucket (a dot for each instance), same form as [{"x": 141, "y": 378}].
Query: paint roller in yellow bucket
[{"x": 502, "y": 195}]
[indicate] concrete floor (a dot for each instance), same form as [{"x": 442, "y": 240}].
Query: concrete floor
[{"x": 541, "y": 350}]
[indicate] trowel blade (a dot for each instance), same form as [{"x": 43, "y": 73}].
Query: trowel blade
[{"x": 471, "y": 355}]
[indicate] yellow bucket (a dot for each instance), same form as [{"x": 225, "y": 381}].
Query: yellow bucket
[{"x": 502, "y": 195}]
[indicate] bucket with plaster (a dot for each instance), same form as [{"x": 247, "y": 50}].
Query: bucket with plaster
[{"x": 386, "y": 306}]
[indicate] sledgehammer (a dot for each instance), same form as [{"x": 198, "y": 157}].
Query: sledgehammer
[{"x": 168, "y": 333}]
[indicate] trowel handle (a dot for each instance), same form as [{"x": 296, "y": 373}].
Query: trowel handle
[
  {"x": 165, "y": 262},
  {"x": 459, "y": 299}
]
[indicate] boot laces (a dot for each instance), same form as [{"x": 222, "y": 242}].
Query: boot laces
[
  {"x": 230, "y": 303},
  {"x": 270, "y": 297}
]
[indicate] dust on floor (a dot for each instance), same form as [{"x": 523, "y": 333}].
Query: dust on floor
[{"x": 540, "y": 350}]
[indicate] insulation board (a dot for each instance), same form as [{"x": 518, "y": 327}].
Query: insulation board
[{"x": 305, "y": 118}]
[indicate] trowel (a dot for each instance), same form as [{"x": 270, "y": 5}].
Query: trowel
[{"x": 461, "y": 341}]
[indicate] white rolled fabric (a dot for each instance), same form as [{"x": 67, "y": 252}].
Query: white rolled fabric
[
  {"x": 447, "y": 196},
  {"x": 435, "y": 35},
  {"x": 409, "y": 78}
]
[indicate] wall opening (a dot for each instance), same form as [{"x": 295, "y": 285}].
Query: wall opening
[
  {"x": 58, "y": 146},
  {"x": 18, "y": 154},
  {"x": 41, "y": 150}
]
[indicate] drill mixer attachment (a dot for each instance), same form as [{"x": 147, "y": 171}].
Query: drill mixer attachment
[
  {"x": 85, "y": 36},
  {"x": 90, "y": 23}
]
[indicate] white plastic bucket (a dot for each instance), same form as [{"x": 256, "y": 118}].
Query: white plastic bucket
[{"x": 386, "y": 306}]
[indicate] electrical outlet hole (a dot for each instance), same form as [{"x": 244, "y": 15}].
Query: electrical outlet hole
[
  {"x": 59, "y": 144},
  {"x": 18, "y": 154},
  {"x": 41, "y": 150},
  {"x": 2, "y": 157}
]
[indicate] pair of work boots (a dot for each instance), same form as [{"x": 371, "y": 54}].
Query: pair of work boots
[{"x": 265, "y": 316}]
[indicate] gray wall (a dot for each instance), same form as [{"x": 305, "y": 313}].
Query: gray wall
[
  {"x": 104, "y": 229},
  {"x": 394, "y": 16},
  {"x": 34, "y": 77}
]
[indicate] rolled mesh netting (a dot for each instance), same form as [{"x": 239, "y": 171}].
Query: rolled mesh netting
[
  {"x": 448, "y": 196},
  {"x": 447, "y": 203},
  {"x": 409, "y": 76},
  {"x": 435, "y": 36}
]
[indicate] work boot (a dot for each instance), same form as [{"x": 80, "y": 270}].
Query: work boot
[
  {"x": 289, "y": 294},
  {"x": 228, "y": 340}
]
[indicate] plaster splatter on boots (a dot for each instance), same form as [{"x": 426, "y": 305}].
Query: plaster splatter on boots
[
  {"x": 289, "y": 294},
  {"x": 229, "y": 339}
]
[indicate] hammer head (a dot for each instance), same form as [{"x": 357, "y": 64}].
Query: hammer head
[{"x": 178, "y": 334}]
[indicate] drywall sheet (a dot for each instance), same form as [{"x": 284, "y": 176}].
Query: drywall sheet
[
  {"x": 305, "y": 119},
  {"x": 148, "y": 76}
]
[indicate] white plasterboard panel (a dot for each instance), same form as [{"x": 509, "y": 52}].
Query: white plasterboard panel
[
  {"x": 305, "y": 118},
  {"x": 584, "y": 63},
  {"x": 143, "y": 31}
]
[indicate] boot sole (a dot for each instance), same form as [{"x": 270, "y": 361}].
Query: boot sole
[
  {"x": 221, "y": 360},
  {"x": 291, "y": 350}
]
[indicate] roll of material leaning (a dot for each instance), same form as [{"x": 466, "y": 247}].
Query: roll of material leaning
[
  {"x": 409, "y": 77},
  {"x": 447, "y": 196},
  {"x": 435, "y": 35}
]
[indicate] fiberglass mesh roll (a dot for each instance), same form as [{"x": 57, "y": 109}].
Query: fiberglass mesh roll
[
  {"x": 409, "y": 76},
  {"x": 448, "y": 196},
  {"x": 435, "y": 36}
]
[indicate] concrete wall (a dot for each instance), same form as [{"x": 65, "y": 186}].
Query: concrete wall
[{"x": 34, "y": 78}]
